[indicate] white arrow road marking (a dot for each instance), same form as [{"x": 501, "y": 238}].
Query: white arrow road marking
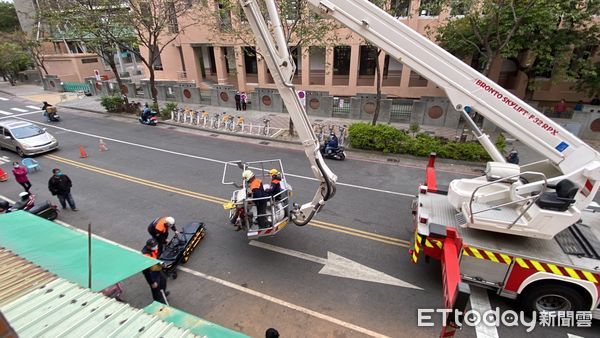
[
  {"x": 569, "y": 335},
  {"x": 5, "y": 112},
  {"x": 33, "y": 107},
  {"x": 336, "y": 265},
  {"x": 19, "y": 110}
]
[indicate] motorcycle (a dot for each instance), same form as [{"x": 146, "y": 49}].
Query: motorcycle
[
  {"x": 152, "y": 120},
  {"x": 26, "y": 202},
  {"x": 336, "y": 154},
  {"x": 51, "y": 114}
]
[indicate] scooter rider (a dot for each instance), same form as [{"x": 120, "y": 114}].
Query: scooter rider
[
  {"x": 146, "y": 113},
  {"x": 159, "y": 230},
  {"x": 47, "y": 115},
  {"x": 332, "y": 144}
]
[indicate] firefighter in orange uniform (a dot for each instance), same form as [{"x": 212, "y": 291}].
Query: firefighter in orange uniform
[
  {"x": 159, "y": 230},
  {"x": 154, "y": 275},
  {"x": 256, "y": 190}
]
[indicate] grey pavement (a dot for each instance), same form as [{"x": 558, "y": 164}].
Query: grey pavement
[{"x": 166, "y": 170}]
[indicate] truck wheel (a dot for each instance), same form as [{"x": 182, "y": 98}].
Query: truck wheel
[{"x": 553, "y": 297}]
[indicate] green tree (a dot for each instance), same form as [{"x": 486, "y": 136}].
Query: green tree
[
  {"x": 538, "y": 35},
  {"x": 100, "y": 25},
  {"x": 589, "y": 81},
  {"x": 9, "y": 22},
  {"x": 13, "y": 59}
]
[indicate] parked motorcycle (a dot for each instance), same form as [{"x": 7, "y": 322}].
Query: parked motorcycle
[
  {"x": 338, "y": 153},
  {"x": 151, "y": 120},
  {"x": 26, "y": 202}
]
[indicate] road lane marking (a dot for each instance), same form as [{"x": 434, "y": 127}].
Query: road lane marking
[
  {"x": 338, "y": 266},
  {"x": 33, "y": 107},
  {"x": 19, "y": 110},
  {"x": 5, "y": 112},
  {"x": 281, "y": 302},
  {"x": 209, "y": 159},
  {"x": 231, "y": 285},
  {"x": 480, "y": 303},
  {"x": 220, "y": 201},
  {"x": 23, "y": 114},
  {"x": 3, "y": 99}
]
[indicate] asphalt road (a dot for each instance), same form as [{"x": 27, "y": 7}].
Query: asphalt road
[{"x": 153, "y": 171}]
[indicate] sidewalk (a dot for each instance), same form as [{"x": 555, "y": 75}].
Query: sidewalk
[{"x": 278, "y": 120}]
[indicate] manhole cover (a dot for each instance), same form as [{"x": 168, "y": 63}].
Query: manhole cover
[
  {"x": 393, "y": 160},
  {"x": 214, "y": 135},
  {"x": 264, "y": 143}
]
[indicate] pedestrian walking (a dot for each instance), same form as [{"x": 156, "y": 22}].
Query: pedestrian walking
[
  {"x": 244, "y": 99},
  {"x": 154, "y": 275},
  {"x": 60, "y": 186},
  {"x": 238, "y": 99},
  {"x": 20, "y": 173}
]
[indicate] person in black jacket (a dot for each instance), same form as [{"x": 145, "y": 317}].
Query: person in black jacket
[
  {"x": 154, "y": 275},
  {"x": 60, "y": 186}
]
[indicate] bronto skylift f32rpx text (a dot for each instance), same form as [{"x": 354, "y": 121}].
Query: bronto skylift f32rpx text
[{"x": 517, "y": 229}]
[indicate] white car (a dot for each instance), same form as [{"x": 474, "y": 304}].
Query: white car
[{"x": 25, "y": 138}]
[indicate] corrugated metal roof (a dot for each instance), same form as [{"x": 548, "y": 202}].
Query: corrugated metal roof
[
  {"x": 18, "y": 276},
  {"x": 64, "y": 309},
  {"x": 36, "y": 303}
]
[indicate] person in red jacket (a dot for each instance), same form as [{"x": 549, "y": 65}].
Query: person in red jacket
[{"x": 20, "y": 173}]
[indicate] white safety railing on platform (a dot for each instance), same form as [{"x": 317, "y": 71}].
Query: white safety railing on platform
[{"x": 224, "y": 122}]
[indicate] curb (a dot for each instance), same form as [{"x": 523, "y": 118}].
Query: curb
[
  {"x": 259, "y": 137},
  {"x": 476, "y": 166}
]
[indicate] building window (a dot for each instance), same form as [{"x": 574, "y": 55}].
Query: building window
[
  {"x": 416, "y": 80},
  {"x": 341, "y": 60},
  {"x": 459, "y": 7},
  {"x": 430, "y": 7},
  {"x": 173, "y": 26},
  {"x": 157, "y": 63},
  {"x": 399, "y": 8},
  {"x": 250, "y": 60},
  {"x": 368, "y": 60}
]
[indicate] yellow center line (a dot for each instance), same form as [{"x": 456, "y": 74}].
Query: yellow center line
[{"x": 218, "y": 200}]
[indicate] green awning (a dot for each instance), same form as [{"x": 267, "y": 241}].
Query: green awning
[
  {"x": 197, "y": 326},
  {"x": 64, "y": 251}
]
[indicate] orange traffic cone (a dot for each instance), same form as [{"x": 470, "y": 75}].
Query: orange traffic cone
[
  {"x": 3, "y": 176},
  {"x": 102, "y": 146},
  {"x": 82, "y": 152}
]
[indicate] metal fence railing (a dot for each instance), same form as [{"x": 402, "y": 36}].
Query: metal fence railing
[
  {"x": 75, "y": 87},
  {"x": 341, "y": 106},
  {"x": 401, "y": 110}
]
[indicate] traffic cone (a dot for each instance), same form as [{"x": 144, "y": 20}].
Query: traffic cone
[
  {"x": 102, "y": 146},
  {"x": 82, "y": 152},
  {"x": 3, "y": 176}
]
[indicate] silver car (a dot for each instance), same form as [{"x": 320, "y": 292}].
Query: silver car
[{"x": 25, "y": 138}]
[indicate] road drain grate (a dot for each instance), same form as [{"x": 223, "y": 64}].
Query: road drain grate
[
  {"x": 393, "y": 160},
  {"x": 264, "y": 143},
  {"x": 171, "y": 127},
  {"x": 214, "y": 135}
]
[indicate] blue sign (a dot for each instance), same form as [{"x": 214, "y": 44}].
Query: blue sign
[{"x": 562, "y": 146}]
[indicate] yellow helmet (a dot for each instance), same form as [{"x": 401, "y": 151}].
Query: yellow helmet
[
  {"x": 273, "y": 172},
  {"x": 247, "y": 175}
]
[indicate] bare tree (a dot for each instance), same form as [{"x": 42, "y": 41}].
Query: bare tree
[{"x": 155, "y": 24}]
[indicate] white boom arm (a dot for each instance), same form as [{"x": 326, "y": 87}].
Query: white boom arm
[
  {"x": 282, "y": 67},
  {"x": 464, "y": 86}
]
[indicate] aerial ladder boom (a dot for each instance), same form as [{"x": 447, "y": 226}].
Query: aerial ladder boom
[{"x": 274, "y": 49}]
